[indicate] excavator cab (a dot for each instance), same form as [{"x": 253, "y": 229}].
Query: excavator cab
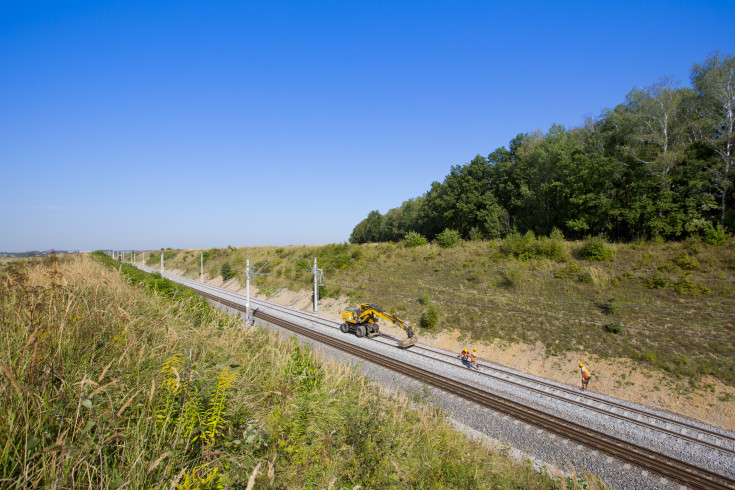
[{"x": 363, "y": 321}]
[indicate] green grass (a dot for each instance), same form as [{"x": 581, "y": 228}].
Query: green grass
[
  {"x": 114, "y": 378},
  {"x": 533, "y": 290}
]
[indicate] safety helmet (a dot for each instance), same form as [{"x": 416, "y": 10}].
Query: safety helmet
[
  {"x": 581, "y": 365},
  {"x": 474, "y": 348}
]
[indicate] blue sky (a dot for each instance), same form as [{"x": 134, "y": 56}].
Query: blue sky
[{"x": 141, "y": 125}]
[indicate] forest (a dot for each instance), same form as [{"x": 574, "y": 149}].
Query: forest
[{"x": 657, "y": 166}]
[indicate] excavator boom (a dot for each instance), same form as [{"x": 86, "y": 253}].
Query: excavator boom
[{"x": 364, "y": 321}]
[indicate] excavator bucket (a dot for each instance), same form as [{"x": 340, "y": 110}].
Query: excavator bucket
[{"x": 403, "y": 344}]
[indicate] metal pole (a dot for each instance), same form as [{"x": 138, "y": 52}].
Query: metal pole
[
  {"x": 202, "y": 268},
  {"x": 247, "y": 290},
  {"x": 316, "y": 288}
]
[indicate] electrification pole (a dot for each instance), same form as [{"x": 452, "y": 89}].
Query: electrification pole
[
  {"x": 201, "y": 273},
  {"x": 317, "y": 282},
  {"x": 247, "y": 290}
]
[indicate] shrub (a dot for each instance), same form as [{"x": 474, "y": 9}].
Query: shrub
[
  {"x": 687, "y": 262},
  {"x": 448, "y": 238},
  {"x": 430, "y": 317},
  {"x": 714, "y": 236},
  {"x": 520, "y": 246},
  {"x": 596, "y": 249},
  {"x": 528, "y": 247},
  {"x": 514, "y": 277},
  {"x": 615, "y": 328},
  {"x": 609, "y": 308},
  {"x": 552, "y": 248},
  {"x": 414, "y": 239},
  {"x": 657, "y": 282},
  {"x": 227, "y": 272},
  {"x": 685, "y": 286}
]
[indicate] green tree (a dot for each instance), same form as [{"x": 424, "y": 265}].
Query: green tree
[
  {"x": 369, "y": 229},
  {"x": 659, "y": 117},
  {"x": 227, "y": 271},
  {"x": 464, "y": 201},
  {"x": 714, "y": 80}
]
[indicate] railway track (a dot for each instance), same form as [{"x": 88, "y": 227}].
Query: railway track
[
  {"x": 678, "y": 429},
  {"x": 648, "y": 459}
]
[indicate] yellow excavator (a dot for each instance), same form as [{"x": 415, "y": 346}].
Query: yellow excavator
[{"x": 363, "y": 321}]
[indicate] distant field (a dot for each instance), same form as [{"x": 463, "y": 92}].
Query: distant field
[{"x": 669, "y": 306}]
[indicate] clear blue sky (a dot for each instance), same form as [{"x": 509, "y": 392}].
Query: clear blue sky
[{"x": 187, "y": 124}]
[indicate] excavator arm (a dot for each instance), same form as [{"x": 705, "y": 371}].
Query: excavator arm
[{"x": 368, "y": 313}]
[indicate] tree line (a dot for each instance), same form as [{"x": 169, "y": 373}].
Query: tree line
[{"x": 659, "y": 165}]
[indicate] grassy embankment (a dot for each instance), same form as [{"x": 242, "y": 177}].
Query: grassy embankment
[
  {"x": 665, "y": 306},
  {"x": 114, "y": 378}
]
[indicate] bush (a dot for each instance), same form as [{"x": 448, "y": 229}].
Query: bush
[
  {"x": 414, "y": 239},
  {"x": 657, "y": 282},
  {"x": 615, "y": 328},
  {"x": 514, "y": 277},
  {"x": 448, "y": 238},
  {"x": 596, "y": 249},
  {"x": 528, "y": 247},
  {"x": 517, "y": 245},
  {"x": 430, "y": 317},
  {"x": 714, "y": 236},
  {"x": 687, "y": 262},
  {"x": 227, "y": 271},
  {"x": 685, "y": 286}
]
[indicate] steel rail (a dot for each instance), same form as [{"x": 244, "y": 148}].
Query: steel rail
[
  {"x": 668, "y": 467},
  {"x": 588, "y": 401}
]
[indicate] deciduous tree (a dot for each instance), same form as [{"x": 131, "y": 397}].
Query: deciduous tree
[{"x": 714, "y": 80}]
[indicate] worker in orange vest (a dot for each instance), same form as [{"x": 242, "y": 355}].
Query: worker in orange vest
[
  {"x": 473, "y": 358},
  {"x": 464, "y": 355},
  {"x": 585, "y": 376}
]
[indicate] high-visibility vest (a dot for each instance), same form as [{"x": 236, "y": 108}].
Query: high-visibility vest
[
  {"x": 585, "y": 374},
  {"x": 473, "y": 356}
]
